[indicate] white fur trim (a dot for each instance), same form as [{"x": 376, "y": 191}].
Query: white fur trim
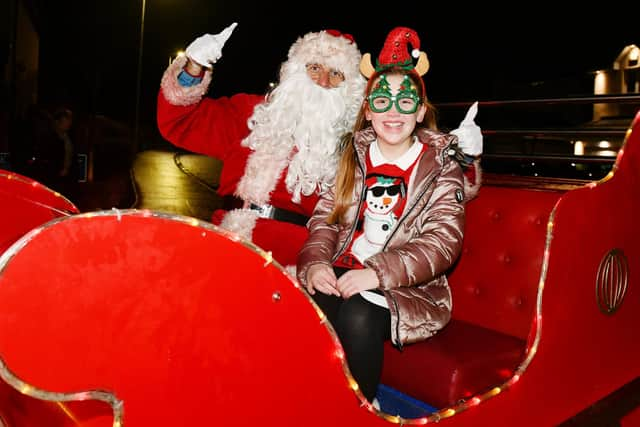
[
  {"x": 177, "y": 94},
  {"x": 241, "y": 222},
  {"x": 261, "y": 175}
]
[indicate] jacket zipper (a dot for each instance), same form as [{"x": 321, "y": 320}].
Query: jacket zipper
[
  {"x": 399, "y": 344},
  {"x": 412, "y": 207}
]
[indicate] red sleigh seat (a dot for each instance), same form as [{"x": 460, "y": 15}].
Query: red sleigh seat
[
  {"x": 494, "y": 287},
  {"x": 549, "y": 271}
]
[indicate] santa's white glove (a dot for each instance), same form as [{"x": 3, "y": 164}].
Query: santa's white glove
[
  {"x": 207, "y": 49},
  {"x": 469, "y": 133}
]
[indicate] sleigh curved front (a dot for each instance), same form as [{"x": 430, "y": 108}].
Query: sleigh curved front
[
  {"x": 26, "y": 203},
  {"x": 164, "y": 321}
]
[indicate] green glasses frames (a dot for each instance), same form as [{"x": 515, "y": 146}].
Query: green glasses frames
[{"x": 406, "y": 103}]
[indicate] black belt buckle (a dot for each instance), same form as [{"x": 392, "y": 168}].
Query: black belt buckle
[
  {"x": 266, "y": 211},
  {"x": 271, "y": 212}
]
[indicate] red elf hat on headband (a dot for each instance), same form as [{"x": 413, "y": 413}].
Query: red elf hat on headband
[{"x": 395, "y": 53}]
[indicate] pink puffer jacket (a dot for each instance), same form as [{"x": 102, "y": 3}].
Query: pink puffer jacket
[{"x": 424, "y": 245}]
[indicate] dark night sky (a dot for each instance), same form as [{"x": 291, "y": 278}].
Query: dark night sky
[{"x": 474, "y": 50}]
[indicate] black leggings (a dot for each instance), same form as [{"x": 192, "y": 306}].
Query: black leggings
[{"x": 362, "y": 328}]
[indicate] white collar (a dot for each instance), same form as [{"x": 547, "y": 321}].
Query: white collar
[{"x": 403, "y": 162}]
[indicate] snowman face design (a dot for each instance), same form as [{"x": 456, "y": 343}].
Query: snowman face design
[{"x": 382, "y": 198}]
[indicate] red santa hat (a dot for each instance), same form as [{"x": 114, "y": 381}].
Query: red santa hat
[{"x": 395, "y": 53}]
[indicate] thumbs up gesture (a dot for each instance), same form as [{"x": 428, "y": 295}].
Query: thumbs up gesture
[
  {"x": 469, "y": 133},
  {"x": 207, "y": 49}
]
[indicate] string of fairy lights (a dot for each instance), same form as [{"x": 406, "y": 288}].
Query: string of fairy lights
[{"x": 337, "y": 352}]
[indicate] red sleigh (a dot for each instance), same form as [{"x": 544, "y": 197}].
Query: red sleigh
[
  {"x": 26, "y": 203},
  {"x": 137, "y": 318},
  {"x": 168, "y": 321}
]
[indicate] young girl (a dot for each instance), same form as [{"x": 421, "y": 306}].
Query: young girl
[{"x": 382, "y": 239}]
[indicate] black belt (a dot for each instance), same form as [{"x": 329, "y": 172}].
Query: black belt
[
  {"x": 231, "y": 202},
  {"x": 278, "y": 214}
]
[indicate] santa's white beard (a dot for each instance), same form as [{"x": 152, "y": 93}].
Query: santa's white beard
[{"x": 300, "y": 114}]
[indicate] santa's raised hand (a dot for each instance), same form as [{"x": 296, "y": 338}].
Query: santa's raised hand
[{"x": 207, "y": 49}]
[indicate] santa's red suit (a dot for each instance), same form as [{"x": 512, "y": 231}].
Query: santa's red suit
[
  {"x": 222, "y": 125},
  {"x": 217, "y": 128}
]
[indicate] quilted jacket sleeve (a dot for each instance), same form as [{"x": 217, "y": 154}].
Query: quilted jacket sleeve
[{"x": 322, "y": 240}]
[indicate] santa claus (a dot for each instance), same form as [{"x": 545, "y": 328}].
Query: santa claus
[{"x": 279, "y": 151}]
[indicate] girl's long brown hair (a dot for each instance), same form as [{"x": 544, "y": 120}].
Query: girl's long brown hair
[{"x": 345, "y": 175}]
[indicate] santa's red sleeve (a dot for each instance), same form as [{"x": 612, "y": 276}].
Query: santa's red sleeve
[{"x": 187, "y": 118}]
